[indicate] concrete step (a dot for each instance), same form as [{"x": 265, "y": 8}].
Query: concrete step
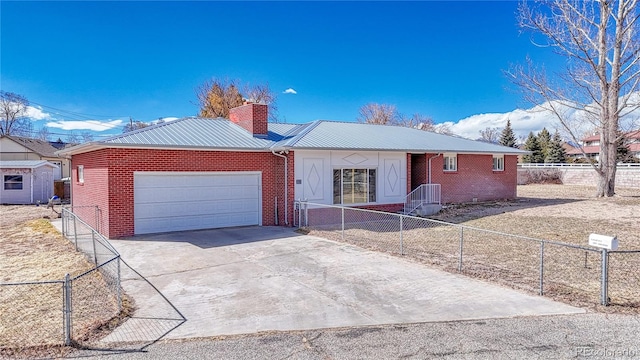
[{"x": 428, "y": 209}]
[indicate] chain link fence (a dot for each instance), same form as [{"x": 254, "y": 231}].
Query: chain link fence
[
  {"x": 132, "y": 325},
  {"x": 89, "y": 310},
  {"x": 624, "y": 278},
  {"x": 31, "y": 315},
  {"x": 573, "y": 273}
]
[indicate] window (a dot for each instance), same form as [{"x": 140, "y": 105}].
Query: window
[
  {"x": 450, "y": 162},
  {"x": 498, "y": 162},
  {"x": 13, "y": 182},
  {"x": 354, "y": 186},
  {"x": 81, "y": 173}
]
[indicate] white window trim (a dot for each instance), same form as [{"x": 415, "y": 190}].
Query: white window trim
[
  {"x": 499, "y": 168},
  {"x": 81, "y": 174},
  {"x": 5, "y": 182},
  {"x": 342, "y": 168},
  {"x": 446, "y": 166}
]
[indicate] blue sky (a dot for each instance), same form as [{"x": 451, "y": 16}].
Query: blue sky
[{"x": 108, "y": 61}]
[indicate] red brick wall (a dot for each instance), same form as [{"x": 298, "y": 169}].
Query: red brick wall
[
  {"x": 383, "y": 207},
  {"x": 109, "y": 179},
  {"x": 252, "y": 117},
  {"x": 409, "y": 172},
  {"x": 94, "y": 190},
  {"x": 331, "y": 217},
  {"x": 279, "y": 187},
  {"x": 475, "y": 178},
  {"x": 418, "y": 171}
]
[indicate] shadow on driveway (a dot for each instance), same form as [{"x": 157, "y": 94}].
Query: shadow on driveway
[{"x": 211, "y": 238}]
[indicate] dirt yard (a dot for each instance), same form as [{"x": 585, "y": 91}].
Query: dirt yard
[
  {"x": 32, "y": 251},
  {"x": 555, "y": 213}
]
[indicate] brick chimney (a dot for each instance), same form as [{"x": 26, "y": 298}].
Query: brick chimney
[{"x": 253, "y": 117}]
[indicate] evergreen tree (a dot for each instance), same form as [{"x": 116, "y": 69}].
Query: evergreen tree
[
  {"x": 533, "y": 145},
  {"x": 544, "y": 139},
  {"x": 507, "y": 137},
  {"x": 622, "y": 150},
  {"x": 556, "y": 154}
]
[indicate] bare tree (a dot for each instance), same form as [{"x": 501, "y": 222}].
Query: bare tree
[
  {"x": 418, "y": 121},
  {"x": 134, "y": 125},
  {"x": 13, "y": 114},
  {"x": 43, "y": 134},
  {"x": 381, "y": 114},
  {"x": 599, "y": 41},
  {"x": 490, "y": 135},
  {"x": 72, "y": 138},
  {"x": 217, "y": 96},
  {"x": 443, "y": 128},
  {"x": 262, "y": 94},
  {"x": 385, "y": 114},
  {"x": 86, "y": 136}
]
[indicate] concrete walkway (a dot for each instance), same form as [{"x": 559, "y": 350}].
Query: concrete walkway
[{"x": 245, "y": 280}]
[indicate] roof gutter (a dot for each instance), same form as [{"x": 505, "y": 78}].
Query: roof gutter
[{"x": 286, "y": 184}]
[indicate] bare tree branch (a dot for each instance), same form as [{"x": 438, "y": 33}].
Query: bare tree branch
[
  {"x": 13, "y": 114},
  {"x": 600, "y": 41}
]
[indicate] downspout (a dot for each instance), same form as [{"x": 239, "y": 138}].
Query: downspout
[
  {"x": 32, "y": 177},
  {"x": 70, "y": 183},
  {"x": 431, "y": 158},
  {"x": 286, "y": 184}
]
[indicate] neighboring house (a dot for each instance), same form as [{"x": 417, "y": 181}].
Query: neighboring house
[
  {"x": 197, "y": 173},
  {"x": 26, "y": 181},
  {"x": 591, "y": 146},
  {"x": 20, "y": 148}
]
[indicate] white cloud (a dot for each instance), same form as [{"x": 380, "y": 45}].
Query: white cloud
[
  {"x": 290, "y": 91},
  {"x": 530, "y": 120},
  {"x": 36, "y": 113},
  {"x": 93, "y": 125}
]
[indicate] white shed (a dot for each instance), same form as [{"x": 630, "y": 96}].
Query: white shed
[{"x": 26, "y": 181}]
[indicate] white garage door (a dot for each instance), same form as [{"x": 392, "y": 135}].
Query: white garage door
[{"x": 177, "y": 201}]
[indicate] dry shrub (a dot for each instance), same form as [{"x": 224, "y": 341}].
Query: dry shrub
[{"x": 540, "y": 176}]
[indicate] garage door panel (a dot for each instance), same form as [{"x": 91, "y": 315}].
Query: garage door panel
[{"x": 189, "y": 201}]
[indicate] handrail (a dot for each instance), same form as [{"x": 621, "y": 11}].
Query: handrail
[{"x": 423, "y": 194}]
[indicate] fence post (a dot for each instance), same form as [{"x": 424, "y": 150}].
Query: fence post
[
  {"x": 75, "y": 231},
  {"x": 93, "y": 241},
  {"x": 62, "y": 213},
  {"x": 299, "y": 214},
  {"x": 306, "y": 214},
  {"x": 66, "y": 306},
  {"x": 118, "y": 287},
  {"x": 604, "y": 280},
  {"x": 342, "y": 221},
  {"x": 541, "y": 268},
  {"x": 401, "y": 237},
  {"x": 461, "y": 245},
  {"x": 586, "y": 255}
]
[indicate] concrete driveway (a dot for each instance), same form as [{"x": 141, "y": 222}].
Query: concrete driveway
[{"x": 245, "y": 280}]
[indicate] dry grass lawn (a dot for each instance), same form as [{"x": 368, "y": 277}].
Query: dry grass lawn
[
  {"x": 556, "y": 213},
  {"x": 33, "y": 251}
]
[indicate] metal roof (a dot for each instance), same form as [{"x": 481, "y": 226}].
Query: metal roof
[
  {"x": 194, "y": 132},
  {"x": 356, "y": 136},
  {"x": 25, "y": 164},
  {"x": 225, "y": 135}
]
